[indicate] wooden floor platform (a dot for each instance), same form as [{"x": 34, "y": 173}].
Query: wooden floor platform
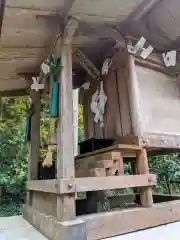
[
  {"x": 17, "y": 228},
  {"x": 109, "y": 224}
]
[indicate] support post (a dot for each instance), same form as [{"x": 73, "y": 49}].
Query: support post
[
  {"x": 65, "y": 140},
  {"x": 35, "y": 141},
  {"x": 65, "y": 137},
  {"x": 146, "y": 197},
  {"x": 134, "y": 97}
]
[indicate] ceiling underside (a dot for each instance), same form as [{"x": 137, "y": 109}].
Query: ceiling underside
[{"x": 29, "y": 29}]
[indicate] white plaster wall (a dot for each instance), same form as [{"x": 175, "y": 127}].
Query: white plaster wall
[{"x": 159, "y": 102}]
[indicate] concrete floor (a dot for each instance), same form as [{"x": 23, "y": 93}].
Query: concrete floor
[
  {"x": 165, "y": 232},
  {"x": 15, "y": 228}
]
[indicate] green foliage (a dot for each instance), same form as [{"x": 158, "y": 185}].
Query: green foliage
[
  {"x": 167, "y": 169},
  {"x": 13, "y": 153},
  {"x": 80, "y": 124}
]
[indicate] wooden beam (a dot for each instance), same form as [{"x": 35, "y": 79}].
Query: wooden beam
[
  {"x": 34, "y": 155},
  {"x": 155, "y": 140},
  {"x": 116, "y": 147},
  {"x": 48, "y": 186},
  {"x": 14, "y": 93},
  {"x": 143, "y": 9},
  {"x": 106, "y": 183},
  {"x": 66, "y": 186},
  {"x": 35, "y": 137},
  {"x": 87, "y": 64},
  {"x": 110, "y": 224},
  {"x": 51, "y": 228},
  {"x": 13, "y": 85},
  {"x": 146, "y": 197},
  {"x": 140, "y": 29},
  {"x": 2, "y": 6}
]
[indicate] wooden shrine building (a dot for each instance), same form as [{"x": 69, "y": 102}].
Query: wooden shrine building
[{"x": 130, "y": 95}]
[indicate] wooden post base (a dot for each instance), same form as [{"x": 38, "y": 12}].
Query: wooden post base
[
  {"x": 52, "y": 229},
  {"x": 104, "y": 225}
]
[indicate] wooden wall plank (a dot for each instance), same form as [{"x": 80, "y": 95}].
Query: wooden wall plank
[
  {"x": 110, "y": 224},
  {"x": 124, "y": 100}
]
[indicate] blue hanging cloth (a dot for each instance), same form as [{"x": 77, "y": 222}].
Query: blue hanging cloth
[
  {"x": 28, "y": 129},
  {"x": 28, "y": 124},
  {"x": 54, "y": 100}
]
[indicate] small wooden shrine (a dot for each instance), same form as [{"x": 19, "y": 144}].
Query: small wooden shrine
[{"x": 123, "y": 56}]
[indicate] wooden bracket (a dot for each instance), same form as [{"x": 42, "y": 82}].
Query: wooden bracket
[{"x": 86, "y": 63}]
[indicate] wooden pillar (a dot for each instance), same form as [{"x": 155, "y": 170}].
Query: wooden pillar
[
  {"x": 65, "y": 140},
  {"x": 35, "y": 141},
  {"x": 146, "y": 197},
  {"x": 134, "y": 98}
]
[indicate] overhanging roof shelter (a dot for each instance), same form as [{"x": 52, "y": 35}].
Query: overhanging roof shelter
[{"x": 84, "y": 33}]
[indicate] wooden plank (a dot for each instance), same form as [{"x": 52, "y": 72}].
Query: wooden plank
[
  {"x": 134, "y": 98},
  {"x": 117, "y": 147},
  {"x": 48, "y": 186},
  {"x": 35, "y": 137},
  {"x": 143, "y": 168},
  {"x": 155, "y": 140},
  {"x": 51, "y": 228},
  {"x": 21, "y": 28},
  {"x": 142, "y": 10},
  {"x": 110, "y": 224},
  {"x": 8, "y": 85},
  {"x": 129, "y": 140},
  {"x": 113, "y": 117},
  {"x": 106, "y": 183},
  {"x": 35, "y": 142},
  {"x": 45, "y": 202},
  {"x": 154, "y": 64},
  {"x": 124, "y": 100}
]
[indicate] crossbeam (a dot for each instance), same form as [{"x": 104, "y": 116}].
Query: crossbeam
[{"x": 74, "y": 185}]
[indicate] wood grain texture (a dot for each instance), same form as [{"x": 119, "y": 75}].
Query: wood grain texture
[
  {"x": 116, "y": 147},
  {"x": 134, "y": 98},
  {"x": 45, "y": 203},
  {"x": 161, "y": 114},
  {"x": 122, "y": 79},
  {"x": 22, "y": 28},
  {"x": 65, "y": 149},
  {"x": 146, "y": 197},
  {"x": 104, "y": 225},
  {"x": 160, "y": 141},
  {"x": 34, "y": 156},
  {"x": 49, "y": 186},
  {"x": 50, "y": 227},
  {"x": 106, "y": 183},
  {"x": 35, "y": 137}
]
